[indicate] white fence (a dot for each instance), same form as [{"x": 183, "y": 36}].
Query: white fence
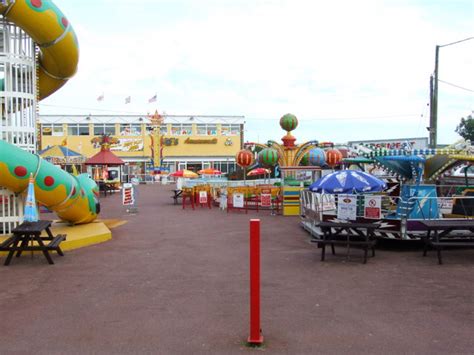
[{"x": 11, "y": 211}]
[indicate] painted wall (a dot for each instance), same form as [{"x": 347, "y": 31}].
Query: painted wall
[{"x": 139, "y": 145}]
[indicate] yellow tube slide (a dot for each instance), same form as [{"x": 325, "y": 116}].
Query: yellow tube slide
[{"x": 52, "y": 32}]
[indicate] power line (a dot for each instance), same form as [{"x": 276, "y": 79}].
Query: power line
[
  {"x": 456, "y": 86},
  {"x": 341, "y": 118},
  {"x": 462, "y": 40}
]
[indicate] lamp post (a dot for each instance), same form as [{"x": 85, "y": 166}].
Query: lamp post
[{"x": 433, "y": 129}]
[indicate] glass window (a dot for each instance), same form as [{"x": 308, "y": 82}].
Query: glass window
[
  {"x": 104, "y": 128},
  {"x": 164, "y": 129},
  {"x": 230, "y": 129},
  {"x": 46, "y": 130},
  {"x": 136, "y": 129},
  {"x": 178, "y": 129},
  {"x": 58, "y": 130},
  {"x": 187, "y": 129},
  {"x": 206, "y": 129},
  {"x": 130, "y": 129},
  {"x": 201, "y": 129},
  {"x": 52, "y": 129},
  {"x": 175, "y": 129},
  {"x": 76, "y": 129},
  {"x": 83, "y": 129}
]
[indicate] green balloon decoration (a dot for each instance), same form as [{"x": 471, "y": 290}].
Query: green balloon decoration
[
  {"x": 288, "y": 122},
  {"x": 268, "y": 157}
]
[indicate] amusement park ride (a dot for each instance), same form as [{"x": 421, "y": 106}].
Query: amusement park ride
[
  {"x": 41, "y": 54},
  {"x": 420, "y": 194}
]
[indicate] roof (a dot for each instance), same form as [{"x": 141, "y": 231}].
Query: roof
[
  {"x": 138, "y": 119},
  {"x": 104, "y": 157},
  {"x": 58, "y": 151}
]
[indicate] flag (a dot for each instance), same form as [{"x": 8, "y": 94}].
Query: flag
[
  {"x": 128, "y": 99},
  {"x": 31, "y": 213},
  {"x": 100, "y": 98},
  {"x": 153, "y": 99}
]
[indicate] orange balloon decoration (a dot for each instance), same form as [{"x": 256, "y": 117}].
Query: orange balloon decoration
[
  {"x": 333, "y": 157},
  {"x": 244, "y": 158}
]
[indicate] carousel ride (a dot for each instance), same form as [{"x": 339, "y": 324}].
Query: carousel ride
[{"x": 299, "y": 165}]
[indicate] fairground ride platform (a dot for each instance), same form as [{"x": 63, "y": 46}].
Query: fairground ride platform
[{"x": 81, "y": 235}]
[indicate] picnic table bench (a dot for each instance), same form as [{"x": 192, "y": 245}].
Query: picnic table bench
[
  {"x": 106, "y": 187},
  {"x": 176, "y": 195},
  {"x": 29, "y": 232},
  {"x": 439, "y": 234},
  {"x": 348, "y": 234}
]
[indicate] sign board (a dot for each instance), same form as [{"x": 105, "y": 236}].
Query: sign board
[
  {"x": 373, "y": 207},
  {"x": 127, "y": 194},
  {"x": 238, "y": 200},
  {"x": 266, "y": 200},
  {"x": 203, "y": 197},
  {"x": 347, "y": 207}
]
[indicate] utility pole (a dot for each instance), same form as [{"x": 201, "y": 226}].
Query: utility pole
[
  {"x": 434, "y": 102},
  {"x": 434, "y": 94}
]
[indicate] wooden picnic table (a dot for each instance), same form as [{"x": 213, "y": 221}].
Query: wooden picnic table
[
  {"x": 348, "y": 234},
  {"x": 29, "y": 232},
  {"x": 176, "y": 195},
  {"x": 439, "y": 234}
]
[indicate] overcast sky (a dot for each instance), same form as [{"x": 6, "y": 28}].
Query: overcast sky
[{"x": 348, "y": 70}]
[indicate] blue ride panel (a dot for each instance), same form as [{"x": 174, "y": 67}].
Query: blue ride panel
[{"x": 418, "y": 202}]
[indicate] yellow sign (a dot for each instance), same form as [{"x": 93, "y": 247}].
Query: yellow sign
[{"x": 200, "y": 141}]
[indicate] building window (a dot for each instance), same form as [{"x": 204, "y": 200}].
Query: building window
[
  {"x": 206, "y": 129},
  {"x": 230, "y": 129},
  {"x": 78, "y": 129},
  {"x": 130, "y": 129},
  {"x": 52, "y": 130},
  {"x": 164, "y": 129},
  {"x": 178, "y": 129},
  {"x": 104, "y": 128}
]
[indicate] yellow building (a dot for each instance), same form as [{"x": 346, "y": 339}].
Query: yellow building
[{"x": 188, "y": 142}]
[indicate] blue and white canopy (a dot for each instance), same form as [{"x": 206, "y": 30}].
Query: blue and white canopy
[{"x": 348, "y": 181}]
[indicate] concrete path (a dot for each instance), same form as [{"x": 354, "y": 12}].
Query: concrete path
[{"x": 175, "y": 281}]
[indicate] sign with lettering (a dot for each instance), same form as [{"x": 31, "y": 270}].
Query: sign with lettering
[
  {"x": 203, "y": 197},
  {"x": 238, "y": 200},
  {"x": 347, "y": 207},
  {"x": 200, "y": 141},
  {"x": 266, "y": 200},
  {"x": 373, "y": 207},
  {"x": 127, "y": 194}
]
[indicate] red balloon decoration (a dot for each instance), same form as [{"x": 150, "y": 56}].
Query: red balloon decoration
[
  {"x": 333, "y": 157},
  {"x": 244, "y": 158}
]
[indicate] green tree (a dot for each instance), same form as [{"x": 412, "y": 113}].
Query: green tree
[{"x": 466, "y": 128}]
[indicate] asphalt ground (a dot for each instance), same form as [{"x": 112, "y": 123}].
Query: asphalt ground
[{"x": 174, "y": 281}]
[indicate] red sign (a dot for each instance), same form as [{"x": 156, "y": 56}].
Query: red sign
[
  {"x": 202, "y": 197},
  {"x": 266, "y": 200},
  {"x": 373, "y": 207},
  {"x": 127, "y": 194}
]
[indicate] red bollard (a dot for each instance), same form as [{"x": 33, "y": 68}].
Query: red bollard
[{"x": 255, "y": 337}]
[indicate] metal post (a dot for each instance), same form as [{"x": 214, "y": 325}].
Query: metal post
[
  {"x": 434, "y": 97},
  {"x": 434, "y": 103},
  {"x": 255, "y": 337}
]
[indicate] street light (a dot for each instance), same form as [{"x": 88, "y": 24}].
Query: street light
[{"x": 434, "y": 94}]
